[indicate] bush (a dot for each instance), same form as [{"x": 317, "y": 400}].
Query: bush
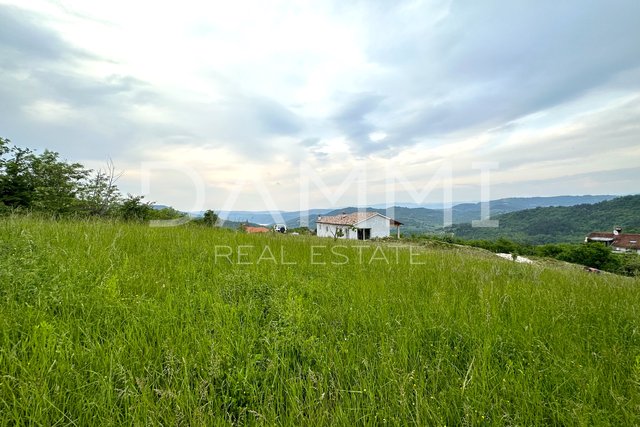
[
  {"x": 629, "y": 264},
  {"x": 594, "y": 255}
]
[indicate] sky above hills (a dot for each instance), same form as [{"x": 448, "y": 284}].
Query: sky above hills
[{"x": 240, "y": 105}]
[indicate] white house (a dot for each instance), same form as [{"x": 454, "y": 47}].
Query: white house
[{"x": 357, "y": 225}]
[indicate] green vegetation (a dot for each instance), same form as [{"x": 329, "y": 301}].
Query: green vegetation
[
  {"x": 46, "y": 184},
  {"x": 559, "y": 224},
  {"x": 595, "y": 255},
  {"x": 112, "y": 323}
]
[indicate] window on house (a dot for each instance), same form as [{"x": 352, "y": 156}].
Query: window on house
[{"x": 364, "y": 233}]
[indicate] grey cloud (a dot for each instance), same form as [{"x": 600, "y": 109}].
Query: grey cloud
[
  {"x": 41, "y": 66},
  {"x": 241, "y": 122},
  {"x": 353, "y": 119},
  {"x": 24, "y": 39},
  {"x": 485, "y": 64},
  {"x": 100, "y": 127},
  {"x": 448, "y": 70},
  {"x": 619, "y": 181},
  {"x": 612, "y": 131},
  {"x": 38, "y": 65},
  {"x": 310, "y": 142},
  {"x": 271, "y": 117}
]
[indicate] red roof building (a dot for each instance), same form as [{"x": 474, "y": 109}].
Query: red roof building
[
  {"x": 617, "y": 240},
  {"x": 250, "y": 229}
]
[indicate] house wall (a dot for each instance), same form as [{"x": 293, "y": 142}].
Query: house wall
[
  {"x": 330, "y": 230},
  {"x": 379, "y": 226},
  {"x": 619, "y": 249}
]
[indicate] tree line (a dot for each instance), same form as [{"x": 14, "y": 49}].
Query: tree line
[{"x": 45, "y": 183}]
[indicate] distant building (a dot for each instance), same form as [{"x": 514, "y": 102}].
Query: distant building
[
  {"x": 250, "y": 229},
  {"x": 357, "y": 225},
  {"x": 618, "y": 241}
]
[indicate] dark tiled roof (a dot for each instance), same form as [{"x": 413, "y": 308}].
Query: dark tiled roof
[
  {"x": 601, "y": 235},
  {"x": 627, "y": 241}
]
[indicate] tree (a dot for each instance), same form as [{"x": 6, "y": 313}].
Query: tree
[
  {"x": 4, "y": 148},
  {"x": 629, "y": 264},
  {"x": 16, "y": 181},
  {"x": 210, "y": 218},
  {"x": 337, "y": 234},
  {"x": 56, "y": 183},
  {"x": 38, "y": 182},
  {"x": 165, "y": 214},
  {"x": 134, "y": 209},
  {"x": 100, "y": 194},
  {"x": 594, "y": 255}
]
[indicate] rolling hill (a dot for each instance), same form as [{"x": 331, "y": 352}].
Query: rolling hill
[{"x": 559, "y": 224}]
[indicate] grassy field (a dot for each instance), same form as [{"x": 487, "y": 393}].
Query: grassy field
[{"x": 116, "y": 324}]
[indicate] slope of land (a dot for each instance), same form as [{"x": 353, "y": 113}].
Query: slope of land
[
  {"x": 120, "y": 324},
  {"x": 559, "y": 224}
]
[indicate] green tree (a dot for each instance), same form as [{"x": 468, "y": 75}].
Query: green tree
[
  {"x": 594, "y": 255},
  {"x": 550, "y": 250},
  {"x": 100, "y": 194},
  {"x": 210, "y": 218},
  {"x": 38, "y": 182},
  {"x": 165, "y": 213},
  {"x": 134, "y": 209},
  {"x": 4, "y": 148},
  {"x": 16, "y": 181},
  {"x": 56, "y": 184},
  {"x": 629, "y": 264}
]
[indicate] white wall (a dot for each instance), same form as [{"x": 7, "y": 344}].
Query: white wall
[
  {"x": 330, "y": 230},
  {"x": 379, "y": 228}
]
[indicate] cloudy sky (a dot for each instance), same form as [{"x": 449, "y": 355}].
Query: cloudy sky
[{"x": 241, "y": 104}]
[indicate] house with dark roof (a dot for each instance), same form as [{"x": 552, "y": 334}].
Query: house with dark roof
[
  {"x": 357, "y": 225},
  {"x": 617, "y": 241}
]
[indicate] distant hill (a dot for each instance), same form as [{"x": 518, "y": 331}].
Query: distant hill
[
  {"x": 514, "y": 204},
  {"x": 425, "y": 220},
  {"x": 266, "y": 217},
  {"x": 235, "y": 225},
  {"x": 559, "y": 223},
  {"x": 159, "y": 207}
]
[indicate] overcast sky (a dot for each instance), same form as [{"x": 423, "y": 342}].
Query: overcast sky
[{"x": 191, "y": 99}]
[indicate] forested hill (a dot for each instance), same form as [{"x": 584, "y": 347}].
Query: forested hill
[{"x": 561, "y": 223}]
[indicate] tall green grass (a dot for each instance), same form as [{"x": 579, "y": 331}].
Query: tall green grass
[{"x": 117, "y": 324}]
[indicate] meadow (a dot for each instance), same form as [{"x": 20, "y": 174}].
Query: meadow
[{"x": 109, "y": 323}]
